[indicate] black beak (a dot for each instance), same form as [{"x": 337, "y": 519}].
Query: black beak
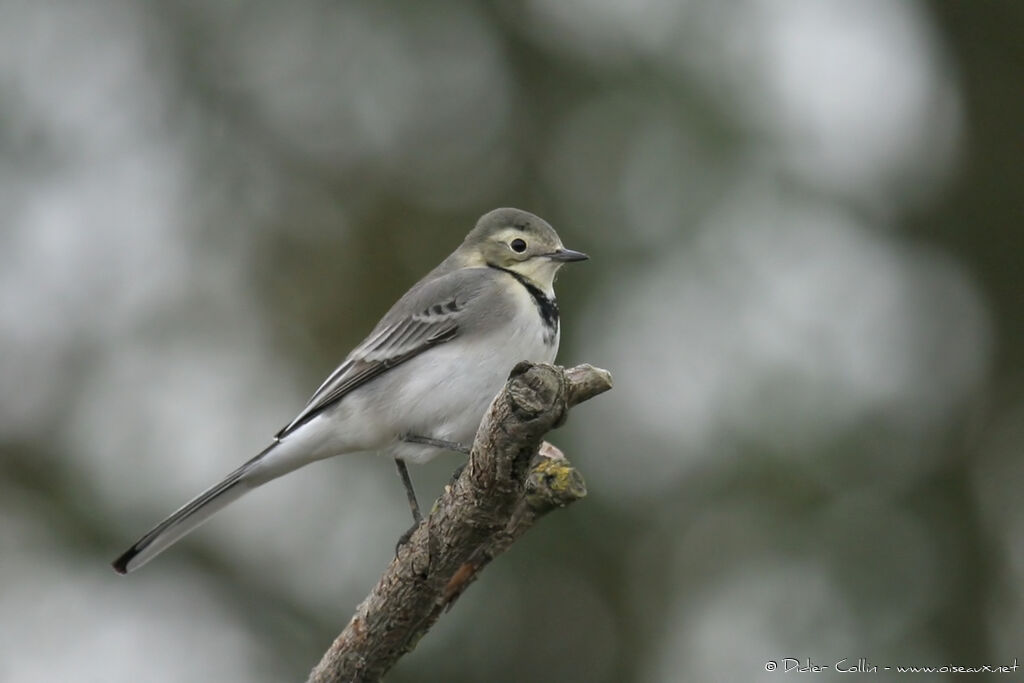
[{"x": 567, "y": 255}]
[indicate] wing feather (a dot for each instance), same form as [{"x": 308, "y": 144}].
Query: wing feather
[{"x": 390, "y": 345}]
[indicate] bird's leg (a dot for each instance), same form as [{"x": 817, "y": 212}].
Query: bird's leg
[
  {"x": 414, "y": 505},
  {"x": 437, "y": 443},
  {"x": 403, "y": 472}
]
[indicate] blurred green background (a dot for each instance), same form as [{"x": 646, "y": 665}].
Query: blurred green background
[{"x": 804, "y": 219}]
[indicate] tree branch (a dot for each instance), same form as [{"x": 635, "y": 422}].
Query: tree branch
[{"x": 510, "y": 481}]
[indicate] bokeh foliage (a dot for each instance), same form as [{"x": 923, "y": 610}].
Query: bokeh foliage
[{"x": 803, "y": 219}]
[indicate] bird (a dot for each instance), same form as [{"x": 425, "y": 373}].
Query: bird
[{"x": 420, "y": 382}]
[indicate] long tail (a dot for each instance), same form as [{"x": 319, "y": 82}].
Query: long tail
[{"x": 192, "y": 514}]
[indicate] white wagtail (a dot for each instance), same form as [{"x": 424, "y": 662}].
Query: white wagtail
[{"x": 421, "y": 381}]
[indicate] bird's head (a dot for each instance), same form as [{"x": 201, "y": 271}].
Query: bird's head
[{"x": 518, "y": 241}]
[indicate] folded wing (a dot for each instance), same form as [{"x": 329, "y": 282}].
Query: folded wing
[{"x": 391, "y": 344}]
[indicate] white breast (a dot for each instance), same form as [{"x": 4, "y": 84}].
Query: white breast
[
  {"x": 441, "y": 393},
  {"x": 450, "y": 387}
]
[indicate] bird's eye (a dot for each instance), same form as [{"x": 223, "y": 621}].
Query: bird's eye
[{"x": 518, "y": 245}]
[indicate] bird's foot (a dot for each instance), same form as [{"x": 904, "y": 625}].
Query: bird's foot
[
  {"x": 404, "y": 538},
  {"x": 457, "y": 473}
]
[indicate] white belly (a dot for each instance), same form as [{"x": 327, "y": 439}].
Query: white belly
[
  {"x": 440, "y": 394},
  {"x": 451, "y": 387}
]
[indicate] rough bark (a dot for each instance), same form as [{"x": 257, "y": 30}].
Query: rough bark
[{"x": 510, "y": 481}]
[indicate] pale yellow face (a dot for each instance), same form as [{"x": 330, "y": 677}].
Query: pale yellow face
[
  {"x": 525, "y": 250},
  {"x": 534, "y": 262},
  {"x": 518, "y": 241}
]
